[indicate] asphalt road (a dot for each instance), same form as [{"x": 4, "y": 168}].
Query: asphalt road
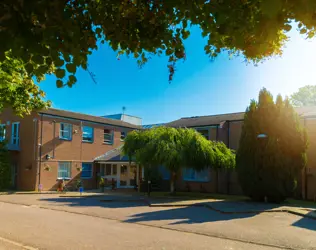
[{"x": 31, "y": 227}]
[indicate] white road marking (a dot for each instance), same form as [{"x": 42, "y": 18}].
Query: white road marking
[{"x": 17, "y": 244}]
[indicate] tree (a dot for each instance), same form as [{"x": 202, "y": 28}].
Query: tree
[
  {"x": 57, "y": 36},
  {"x": 272, "y": 149},
  {"x": 175, "y": 149},
  {"x": 305, "y": 96}
]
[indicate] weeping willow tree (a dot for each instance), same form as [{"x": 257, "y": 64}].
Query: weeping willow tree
[
  {"x": 272, "y": 150},
  {"x": 175, "y": 149}
]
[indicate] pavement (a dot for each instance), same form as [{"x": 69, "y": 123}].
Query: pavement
[
  {"x": 30, "y": 227},
  {"x": 259, "y": 229}
]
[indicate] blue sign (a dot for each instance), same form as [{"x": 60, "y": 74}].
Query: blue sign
[{"x": 81, "y": 189}]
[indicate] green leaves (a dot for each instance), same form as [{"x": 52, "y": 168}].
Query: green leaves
[
  {"x": 270, "y": 166},
  {"x": 71, "y": 67},
  {"x": 254, "y": 29},
  {"x": 60, "y": 73}
]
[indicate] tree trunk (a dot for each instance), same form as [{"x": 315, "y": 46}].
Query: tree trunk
[{"x": 172, "y": 183}]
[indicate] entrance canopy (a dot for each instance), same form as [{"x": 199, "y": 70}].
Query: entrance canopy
[
  {"x": 114, "y": 155},
  {"x": 116, "y": 167}
]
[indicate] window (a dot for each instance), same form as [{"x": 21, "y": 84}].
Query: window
[
  {"x": 108, "y": 136},
  {"x": 204, "y": 132},
  {"x": 123, "y": 135},
  {"x": 86, "y": 172},
  {"x": 108, "y": 169},
  {"x": 64, "y": 170},
  {"x": 114, "y": 169},
  {"x": 165, "y": 173},
  {"x": 65, "y": 131},
  {"x": 87, "y": 134},
  {"x": 15, "y": 136},
  {"x": 2, "y": 132},
  {"x": 190, "y": 174}
]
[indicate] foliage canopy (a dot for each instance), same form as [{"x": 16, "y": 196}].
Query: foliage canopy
[
  {"x": 176, "y": 148},
  {"x": 58, "y": 36},
  {"x": 305, "y": 96},
  {"x": 270, "y": 166}
]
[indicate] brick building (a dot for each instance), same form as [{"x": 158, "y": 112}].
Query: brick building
[
  {"x": 52, "y": 144},
  {"x": 227, "y": 128}
]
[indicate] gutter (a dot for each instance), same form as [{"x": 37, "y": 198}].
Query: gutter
[
  {"x": 40, "y": 152},
  {"x": 84, "y": 120}
]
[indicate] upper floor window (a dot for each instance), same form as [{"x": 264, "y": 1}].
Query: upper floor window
[
  {"x": 189, "y": 174},
  {"x": 65, "y": 131},
  {"x": 123, "y": 135},
  {"x": 87, "y": 134},
  {"x": 2, "y": 132},
  {"x": 15, "y": 133},
  {"x": 108, "y": 136}
]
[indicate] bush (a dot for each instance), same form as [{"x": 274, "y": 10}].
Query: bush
[
  {"x": 269, "y": 166},
  {"x": 5, "y": 169}
]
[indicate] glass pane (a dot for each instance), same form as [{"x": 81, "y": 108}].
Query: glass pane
[
  {"x": 87, "y": 134},
  {"x": 124, "y": 176},
  {"x": 123, "y": 135},
  {"x": 108, "y": 169},
  {"x": 114, "y": 168}
]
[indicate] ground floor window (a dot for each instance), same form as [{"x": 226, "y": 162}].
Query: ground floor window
[
  {"x": 64, "y": 170},
  {"x": 189, "y": 174},
  {"x": 86, "y": 172}
]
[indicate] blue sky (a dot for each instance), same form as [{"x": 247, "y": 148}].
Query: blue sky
[{"x": 200, "y": 86}]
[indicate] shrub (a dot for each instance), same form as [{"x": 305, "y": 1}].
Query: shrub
[
  {"x": 5, "y": 169},
  {"x": 269, "y": 166}
]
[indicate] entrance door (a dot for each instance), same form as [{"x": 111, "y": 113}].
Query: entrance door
[
  {"x": 124, "y": 180},
  {"x": 110, "y": 173}
]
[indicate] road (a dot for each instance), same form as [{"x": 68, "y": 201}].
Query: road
[{"x": 31, "y": 227}]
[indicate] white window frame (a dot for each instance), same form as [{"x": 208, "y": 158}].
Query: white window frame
[
  {"x": 3, "y": 128},
  {"x": 69, "y": 138},
  {"x": 110, "y": 142},
  {"x": 68, "y": 171},
  {"x": 16, "y": 137},
  {"x": 195, "y": 179},
  {"x": 124, "y": 135},
  {"x": 91, "y": 174},
  {"x": 83, "y": 133}
]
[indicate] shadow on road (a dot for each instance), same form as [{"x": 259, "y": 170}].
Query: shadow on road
[
  {"x": 178, "y": 215},
  {"x": 186, "y": 215},
  {"x": 306, "y": 223}
]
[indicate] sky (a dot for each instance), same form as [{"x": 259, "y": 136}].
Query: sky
[{"x": 200, "y": 86}]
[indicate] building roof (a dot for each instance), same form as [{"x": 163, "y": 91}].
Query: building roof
[
  {"x": 207, "y": 120},
  {"x": 90, "y": 118},
  {"x": 210, "y": 120},
  {"x": 113, "y": 155},
  {"x": 148, "y": 126}
]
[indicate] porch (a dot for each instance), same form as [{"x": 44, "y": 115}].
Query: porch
[{"x": 113, "y": 167}]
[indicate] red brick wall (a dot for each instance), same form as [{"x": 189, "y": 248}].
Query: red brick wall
[
  {"x": 74, "y": 151},
  {"x": 26, "y": 157}
]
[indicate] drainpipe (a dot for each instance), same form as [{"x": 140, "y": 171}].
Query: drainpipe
[
  {"x": 228, "y": 145},
  {"x": 40, "y": 152},
  {"x": 54, "y": 134},
  {"x": 305, "y": 172},
  {"x": 217, "y": 132}
]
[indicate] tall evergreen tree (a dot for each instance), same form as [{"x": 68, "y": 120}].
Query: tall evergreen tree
[{"x": 272, "y": 150}]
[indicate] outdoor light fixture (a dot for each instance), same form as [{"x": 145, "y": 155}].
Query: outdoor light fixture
[{"x": 262, "y": 136}]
